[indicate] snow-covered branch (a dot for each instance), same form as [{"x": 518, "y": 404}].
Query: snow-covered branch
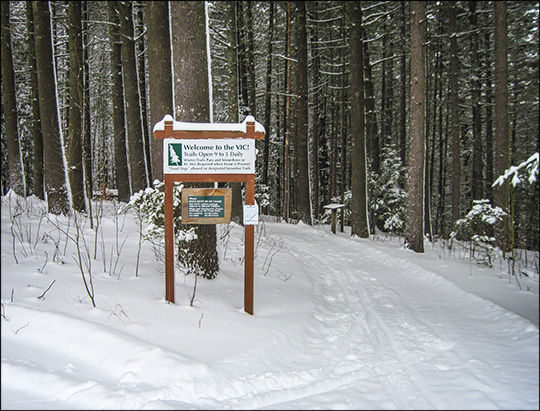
[{"x": 532, "y": 170}]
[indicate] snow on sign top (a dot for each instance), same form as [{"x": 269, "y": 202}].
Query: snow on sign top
[
  {"x": 334, "y": 206},
  {"x": 168, "y": 127}
]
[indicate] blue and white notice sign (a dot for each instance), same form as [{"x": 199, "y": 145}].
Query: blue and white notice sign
[{"x": 210, "y": 156}]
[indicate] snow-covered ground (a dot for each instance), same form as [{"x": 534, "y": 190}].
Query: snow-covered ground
[{"x": 339, "y": 323}]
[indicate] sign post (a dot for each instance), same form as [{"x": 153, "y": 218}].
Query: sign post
[{"x": 209, "y": 152}]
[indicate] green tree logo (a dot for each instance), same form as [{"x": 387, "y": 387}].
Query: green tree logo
[{"x": 175, "y": 154}]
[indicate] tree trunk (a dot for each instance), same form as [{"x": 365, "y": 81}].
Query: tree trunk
[
  {"x": 403, "y": 98},
  {"x": 286, "y": 159},
  {"x": 372, "y": 133},
  {"x": 454, "y": 110},
  {"x": 242, "y": 59},
  {"x": 87, "y": 139},
  {"x": 489, "y": 123},
  {"x": 477, "y": 172},
  {"x": 232, "y": 99},
  {"x": 159, "y": 75},
  {"x": 359, "y": 216},
  {"x": 37, "y": 187},
  {"x": 414, "y": 230},
  {"x": 16, "y": 181},
  {"x": 428, "y": 180},
  {"x": 141, "y": 51},
  {"x": 137, "y": 167},
  {"x": 55, "y": 174},
  {"x": 441, "y": 143},
  {"x": 117, "y": 99},
  {"x": 302, "y": 183},
  {"x": 334, "y": 141},
  {"x": 251, "y": 62},
  {"x": 192, "y": 104},
  {"x": 502, "y": 141},
  {"x": 373, "y": 150},
  {"x": 343, "y": 127},
  {"x": 75, "y": 127},
  {"x": 268, "y": 101},
  {"x": 316, "y": 62}
]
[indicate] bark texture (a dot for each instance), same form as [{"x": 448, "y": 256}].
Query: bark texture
[
  {"x": 132, "y": 106},
  {"x": 159, "y": 75},
  {"x": 16, "y": 182},
  {"x": 117, "y": 98},
  {"x": 359, "y": 216},
  {"x": 55, "y": 175},
  {"x": 75, "y": 128},
  {"x": 192, "y": 104},
  {"x": 303, "y": 204},
  {"x": 414, "y": 229}
]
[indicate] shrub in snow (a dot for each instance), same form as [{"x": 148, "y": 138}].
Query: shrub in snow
[
  {"x": 477, "y": 227},
  {"x": 149, "y": 206},
  {"x": 387, "y": 200}
]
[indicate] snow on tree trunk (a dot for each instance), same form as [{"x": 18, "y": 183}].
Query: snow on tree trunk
[
  {"x": 159, "y": 75},
  {"x": 117, "y": 99},
  {"x": 55, "y": 175},
  {"x": 137, "y": 167},
  {"x": 16, "y": 182}
]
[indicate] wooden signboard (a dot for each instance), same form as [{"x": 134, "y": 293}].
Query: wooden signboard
[
  {"x": 206, "y": 205},
  {"x": 232, "y": 159}
]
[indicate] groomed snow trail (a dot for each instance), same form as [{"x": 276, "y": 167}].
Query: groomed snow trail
[{"x": 397, "y": 330}]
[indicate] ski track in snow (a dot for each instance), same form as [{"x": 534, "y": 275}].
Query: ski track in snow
[
  {"x": 365, "y": 321},
  {"x": 350, "y": 328}
]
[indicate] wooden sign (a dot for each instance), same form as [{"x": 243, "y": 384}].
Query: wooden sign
[
  {"x": 206, "y": 205},
  {"x": 236, "y": 139}
]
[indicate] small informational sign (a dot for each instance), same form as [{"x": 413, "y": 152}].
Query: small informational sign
[
  {"x": 251, "y": 214},
  {"x": 211, "y": 156},
  {"x": 206, "y": 205}
]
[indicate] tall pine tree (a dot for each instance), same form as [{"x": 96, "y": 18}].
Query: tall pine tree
[
  {"x": 16, "y": 182},
  {"x": 414, "y": 230},
  {"x": 359, "y": 216},
  {"x": 192, "y": 104},
  {"x": 55, "y": 173}
]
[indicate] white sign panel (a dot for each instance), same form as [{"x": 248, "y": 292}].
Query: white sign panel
[
  {"x": 251, "y": 214},
  {"x": 212, "y": 156}
]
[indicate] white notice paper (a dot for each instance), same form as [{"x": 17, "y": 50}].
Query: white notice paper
[{"x": 251, "y": 214}]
